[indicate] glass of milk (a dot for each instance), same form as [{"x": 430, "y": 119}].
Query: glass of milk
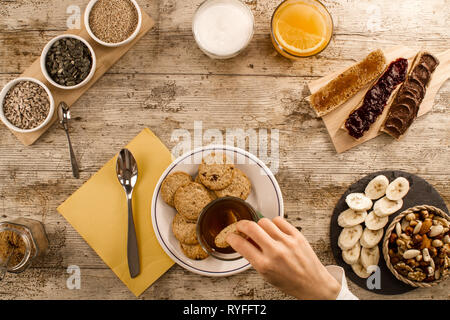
[{"x": 222, "y": 28}]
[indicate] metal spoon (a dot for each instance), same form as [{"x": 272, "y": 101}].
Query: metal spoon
[
  {"x": 64, "y": 117},
  {"x": 127, "y": 173},
  {"x": 4, "y": 266}
]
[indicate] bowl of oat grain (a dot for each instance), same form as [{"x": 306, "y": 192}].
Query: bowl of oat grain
[
  {"x": 26, "y": 105},
  {"x": 113, "y": 23}
]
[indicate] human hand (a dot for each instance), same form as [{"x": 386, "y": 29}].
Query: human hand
[{"x": 283, "y": 256}]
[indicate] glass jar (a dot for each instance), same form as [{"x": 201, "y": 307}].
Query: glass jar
[
  {"x": 301, "y": 28},
  {"x": 24, "y": 240},
  {"x": 223, "y": 28}
]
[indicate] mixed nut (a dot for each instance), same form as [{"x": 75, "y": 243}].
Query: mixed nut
[{"x": 419, "y": 246}]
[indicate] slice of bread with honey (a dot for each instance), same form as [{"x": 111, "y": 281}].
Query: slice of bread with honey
[{"x": 348, "y": 83}]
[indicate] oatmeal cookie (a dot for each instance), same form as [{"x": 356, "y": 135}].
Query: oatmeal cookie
[
  {"x": 216, "y": 171},
  {"x": 220, "y": 240},
  {"x": 211, "y": 193},
  {"x": 240, "y": 187},
  {"x": 194, "y": 251},
  {"x": 190, "y": 199},
  {"x": 171, "y": 183},
  {"x": 184, "y": 231}
]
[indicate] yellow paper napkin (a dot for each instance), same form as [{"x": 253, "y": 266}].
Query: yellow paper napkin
[{"x": 98, "y": 211}]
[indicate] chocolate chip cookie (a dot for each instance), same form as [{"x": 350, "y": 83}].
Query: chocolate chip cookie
[
  {"x": 211, "y": 193},
  {"x": 172, "y": 182},
  {"x": 240, "y": 186},
  {"x": 215, "y": 171}
]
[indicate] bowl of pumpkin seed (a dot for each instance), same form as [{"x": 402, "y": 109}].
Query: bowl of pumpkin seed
[{"x": 68, "y": 61}]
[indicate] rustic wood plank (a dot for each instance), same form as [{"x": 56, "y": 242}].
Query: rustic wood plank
[
  {"x": 166, "y": 83},
  {"x": 103, "y": 284},
  {"x": 349, "y": 17},
  {"x": 37, "y": 197},
  {"x": 177, "y": 53},
  {"x": 170, "y": 48},
  {"x": 165, "y": 103},
  {"x": 310, "y": 210}
]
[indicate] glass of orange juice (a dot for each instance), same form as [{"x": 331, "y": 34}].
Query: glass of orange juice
[{"x": 301, "y": 28}]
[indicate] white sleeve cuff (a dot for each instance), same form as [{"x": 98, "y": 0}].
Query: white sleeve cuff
[{"x": 339, "y": 274}]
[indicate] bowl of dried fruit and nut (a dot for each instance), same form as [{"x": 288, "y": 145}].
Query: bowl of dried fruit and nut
[
  {"x": 416, "y": 246},
  {"x": 26, "y": 105},
  {"x": 68, "y": 61}
]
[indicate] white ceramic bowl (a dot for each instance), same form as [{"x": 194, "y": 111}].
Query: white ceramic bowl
[
  {"x": 5, "y": 90},
  {"x": 265, "y": 197},
  {"x": 44, "y": 56},
  {"x": 87, "y": 12}
]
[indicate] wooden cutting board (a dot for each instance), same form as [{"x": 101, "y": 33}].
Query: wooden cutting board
[
  {"x": 106, "y": 57},
  {"x": 333, "y": 121}
]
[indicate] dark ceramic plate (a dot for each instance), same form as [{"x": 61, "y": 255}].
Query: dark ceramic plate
[{"x": 420, "y": 192}]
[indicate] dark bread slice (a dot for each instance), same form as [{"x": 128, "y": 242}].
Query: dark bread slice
[
  {"x": 348, "y": 83},
  {"x": 420, "y": 75}
]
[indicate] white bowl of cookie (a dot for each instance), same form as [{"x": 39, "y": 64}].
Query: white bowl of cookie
[{"x": 192, "y": 182}]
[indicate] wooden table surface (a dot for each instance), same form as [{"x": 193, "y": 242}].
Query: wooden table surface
[{"x": 165, "y": 82}]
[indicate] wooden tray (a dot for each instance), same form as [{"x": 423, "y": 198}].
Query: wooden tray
[
  {"x": 106, "y": 57},
  {"x": 333, "y": 121}
]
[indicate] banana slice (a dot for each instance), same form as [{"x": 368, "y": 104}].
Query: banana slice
[
  {"x": 370, "y": 257},
  {"x": 397, "y": 189},
  {"x": 374, "y": 222},
  {"x": 350, "y": 218},
  {"x": 351, "y": 256},
  {"x": 371, "y": 238},
  {"x": 385, "y": 207},
  {"x": 360, "y": 270},
  {"x": 349, "y": 237},
  {"x": 376, "y": 188},
  {"x": 358, "y": 202}
]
